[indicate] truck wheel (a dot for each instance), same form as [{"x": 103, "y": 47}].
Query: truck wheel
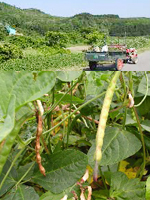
[
  {"x": 119, "y": 64},
  {"x": 135, "y": 60},
  {"x": 125, "y": 60},
  {"x": 92, "y": 65}
]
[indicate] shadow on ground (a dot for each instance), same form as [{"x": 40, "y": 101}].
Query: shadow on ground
[{"x": 101, "y": 68}]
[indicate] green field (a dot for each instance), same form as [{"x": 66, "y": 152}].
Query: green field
[
  {"x": 42, "y": 46},
  {"x": 47, "y": 58},
  {"x": 31, "y": 62}
]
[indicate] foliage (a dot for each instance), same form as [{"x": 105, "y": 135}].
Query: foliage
[
  {"x": 56, "y": 39},
  {"x": 70, "y": 122},
  {"x": 33, "y": 21},
  {"x": 147, "y": 188},
  {"x": 51, "y": 58},
  {"x": 2, "y": 32},
  {"x": 75, "y": 38},
  {"x": 26, "y": 41},
  {"x": 8, "y": 51},
  {"x": 45, "y": 50},
  {"x": 46, "y": 61},
  {"x": 95, "y": 37},
  {"x": 43, "y": 44},
  {"x": 132, "y": 42}
]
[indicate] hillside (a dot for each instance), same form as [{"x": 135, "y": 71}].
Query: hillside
[{"x": 33, "y": 21}]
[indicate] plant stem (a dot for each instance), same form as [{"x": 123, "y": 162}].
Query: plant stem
[
  {"x": 24, "y": 174},
  {"x": 12, "y": 164},
  {"x": 69, "y": 120},
  {"x": 103, "y": 178},
  {"x": 142, "y": 140},
  {"x": 145, "y": 93},
  {"x": 123, "y": 82},
  {"x": 74, "y": 112},
  {"x": 79, "y": 108},
  {"x": 49, "y": 121},
  {"x": 124, "y": 119},
  {"x": 131, "y": 83},
  {"x": 55, "y": 104}
]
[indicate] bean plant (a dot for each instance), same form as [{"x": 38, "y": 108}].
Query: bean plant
[{"x": 74, "y": 135}]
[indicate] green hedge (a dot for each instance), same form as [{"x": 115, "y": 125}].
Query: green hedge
[{"x": 9, "y": 51}]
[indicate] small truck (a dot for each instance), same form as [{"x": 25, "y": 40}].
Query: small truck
[{"x": 116, "y": 56}]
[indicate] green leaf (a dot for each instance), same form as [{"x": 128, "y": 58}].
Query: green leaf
[
  {"x": 16, "y": 90},
  {"x": 67, "y": 99},
  {"x": 22, "y": 192},
  {"x": 68, "y": 76},
  {"x": 23, "y": 169},
  {"x": 118, "y": 145},
  {"x": 146, "y": 125},
  {"x": 51, "y": 196},
  {"x": 144, "y": 108},
  {"x": 129, "y": 120},
  {"x": 94, "y": 84},
  {"x": 100, "y": 194},
  {"x": 148, "y": 188},
  {"x": 24, "y": 86},
  {"x": 123, "y": 188},
  {"x": 11, "y": 179},
  {"x": 9, "y": 121},
  {"x": 63, "y": 169},
  {"x": 143, "y": 85}
]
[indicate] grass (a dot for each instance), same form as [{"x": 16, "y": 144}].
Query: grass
[{"x": 141, "y": 50}]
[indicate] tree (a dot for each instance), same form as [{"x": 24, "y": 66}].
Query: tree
[
  {"x": 56, "y": 39},
  {"x": 95, "y": 38}
]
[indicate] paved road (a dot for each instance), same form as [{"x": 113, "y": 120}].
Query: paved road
[{"x": 142, "y": 65}]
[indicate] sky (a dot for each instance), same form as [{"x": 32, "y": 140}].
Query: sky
[{"x": 67, "y": 8}]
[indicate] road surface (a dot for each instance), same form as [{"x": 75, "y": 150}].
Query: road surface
[
  {"x": 142, "y": 65},
  {"x": 79, "y": 49}
]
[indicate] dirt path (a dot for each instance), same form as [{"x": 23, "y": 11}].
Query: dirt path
[{"x": 78, "y": 49}]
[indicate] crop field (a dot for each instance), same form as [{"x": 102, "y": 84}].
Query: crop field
[
  {"x": 51, "y": 58},
  {"x": 42, "y": 46},
  {"x": 71, "y": 61}
]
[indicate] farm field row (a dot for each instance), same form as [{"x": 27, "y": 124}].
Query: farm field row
[{"x": 47, "y": 58}]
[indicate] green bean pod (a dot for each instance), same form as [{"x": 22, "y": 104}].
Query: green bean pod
[
  {"x": 103, "y": 120},
  {"x": 4, "y": 153}
]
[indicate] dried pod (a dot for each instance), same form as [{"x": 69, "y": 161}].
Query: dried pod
[
  {"x": 82, "y": 197},
  {"x": 37, "y": 146},
  {"x": 131, "y": 101},
  {"x": 85, "y": 177},
  {"x": 65, "y": 197},
  {"x": 75, "y": 195},
  {"x": 89, "y": 193},
  {"x": 42, "y": 170},
  {"x": 41, "y": 109}
]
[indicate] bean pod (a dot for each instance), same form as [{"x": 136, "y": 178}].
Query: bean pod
[{"x": 103, "y": 120}]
